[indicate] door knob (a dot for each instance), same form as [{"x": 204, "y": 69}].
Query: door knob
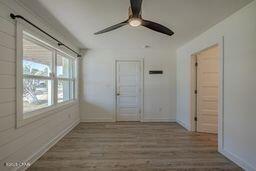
[{"x": 118, "y": 94}]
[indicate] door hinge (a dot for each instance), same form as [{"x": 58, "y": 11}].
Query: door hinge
[
  {"x": 196, "y": 64},
  {"x": 195, "y": 91},
  {"x": 195, "y": 118}
]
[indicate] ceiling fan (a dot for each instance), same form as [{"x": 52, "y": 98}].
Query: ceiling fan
[{"x": 135, "y": 19}]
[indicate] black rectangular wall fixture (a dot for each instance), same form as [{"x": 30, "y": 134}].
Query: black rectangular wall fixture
[{"x": 156, "y": 72}]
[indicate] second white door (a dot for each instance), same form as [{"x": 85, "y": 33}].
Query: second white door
[{"x": 128, "y": 90}]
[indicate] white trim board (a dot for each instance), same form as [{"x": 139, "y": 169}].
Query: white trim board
[
  {"x": 158, "y": 120},
  {"x": 144, "y": 120},
  {"x": 182, "y": 124},
  {"x": 34, "y": 157},
  {"x": 97, "y": 120}
]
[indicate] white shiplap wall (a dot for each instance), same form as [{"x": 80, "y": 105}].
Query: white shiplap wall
[{"x": 28, "y": 142}]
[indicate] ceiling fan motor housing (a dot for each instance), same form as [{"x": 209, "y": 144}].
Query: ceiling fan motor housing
[{"x": 130, "y": 14}]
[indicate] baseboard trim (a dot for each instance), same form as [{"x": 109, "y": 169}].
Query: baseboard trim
[
  {"x": 158, "y": 120},
  {"x": 240, "y": 162},
  {"x": 143, "y": 120},
  {"x": 183, "y": 124},
  {"x": 33, "y": 158},
  {"x": 97, "y": 120}
]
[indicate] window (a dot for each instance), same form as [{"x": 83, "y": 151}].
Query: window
[
  {"x": 48, "y": 77},
  {"x": 37, "y": 81},
  {"x": 65, "y": 78}
]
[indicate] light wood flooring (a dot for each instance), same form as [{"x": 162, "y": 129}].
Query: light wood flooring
[{"x": 134, "y": 146}]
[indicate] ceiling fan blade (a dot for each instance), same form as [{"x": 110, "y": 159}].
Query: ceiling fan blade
[
  {"x": 157, "y": 27},
  {"x": 112, "y": 27},
  {"x": 136, "y": 7}
]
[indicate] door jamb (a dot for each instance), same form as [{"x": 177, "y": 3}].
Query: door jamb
[
  {"x": 141, "y": 61},
  {"x": 220, "y": 44}
]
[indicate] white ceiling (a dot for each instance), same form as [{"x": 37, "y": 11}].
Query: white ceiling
[{"x": 81, "y": 18}]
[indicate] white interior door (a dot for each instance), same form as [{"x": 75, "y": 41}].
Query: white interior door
[
  {"x": 128, "y": 90},
  {"x": 207, "y": 90}
]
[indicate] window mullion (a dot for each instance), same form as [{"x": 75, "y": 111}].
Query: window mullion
[
  {"x": 36, "y": 77},
  {"x": 63, "y": 79}
]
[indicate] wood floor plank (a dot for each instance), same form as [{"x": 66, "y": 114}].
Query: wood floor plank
[{"x": 134, "y": 146}]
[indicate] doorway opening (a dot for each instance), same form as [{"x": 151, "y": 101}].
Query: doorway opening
[
  {"x": 129, "y": 90},
  {"x": 205, "y": 88}
]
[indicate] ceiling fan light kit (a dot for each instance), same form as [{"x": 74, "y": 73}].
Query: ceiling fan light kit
[{"x": 135, "y": 20}]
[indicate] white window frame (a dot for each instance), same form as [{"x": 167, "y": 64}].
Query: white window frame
[
  {"x": 71, "y": 76},
  {"x": 39, "y": 39}
]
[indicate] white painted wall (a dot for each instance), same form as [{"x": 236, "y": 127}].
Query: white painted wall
[
  {"x": 27, "y": 142},
  {"x": 97, "y": 100},
  {"x": 239, "y": 31}
]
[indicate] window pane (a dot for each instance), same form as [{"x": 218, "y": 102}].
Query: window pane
[
  {"x": 37, "y": 60},
  {"x": 63, "y": 90},
  {"x": 72, "y": 69},
  {"x": 72, "y": 87},
  {"x": 62, "y": 66},
  {"x": 36, "y": 94}
]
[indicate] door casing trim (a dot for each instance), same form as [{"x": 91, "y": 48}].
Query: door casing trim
[{"x": 220, "y": 43}]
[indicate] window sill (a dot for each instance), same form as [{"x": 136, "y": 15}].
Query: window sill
[{"x": 42, "y": 113}]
